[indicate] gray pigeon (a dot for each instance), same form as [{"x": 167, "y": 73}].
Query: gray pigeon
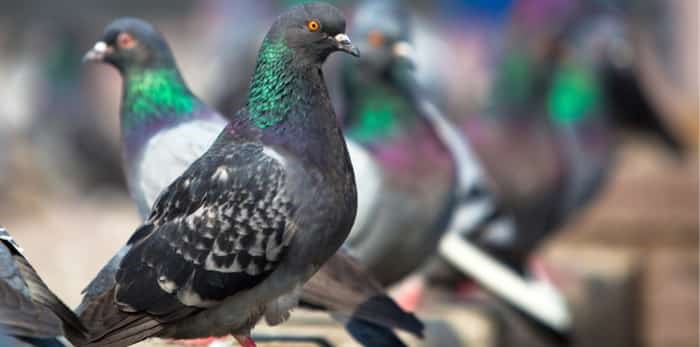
[
  {"x": 155, "y": 156},
  {"x": 238, "y": 234},
  {"x": 386, "y": 108}
]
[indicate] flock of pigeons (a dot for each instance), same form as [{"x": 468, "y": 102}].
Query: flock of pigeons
[{"x": 251, "y": 213}]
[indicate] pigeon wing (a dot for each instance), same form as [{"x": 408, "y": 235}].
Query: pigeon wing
[{"x": 220, "y": 228}]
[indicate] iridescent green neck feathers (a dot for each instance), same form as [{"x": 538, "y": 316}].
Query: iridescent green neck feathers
[
  {"x": 272, "y": 91},
  {"x": 378, "y": 112},
  {"x": 154, "y": 93}
]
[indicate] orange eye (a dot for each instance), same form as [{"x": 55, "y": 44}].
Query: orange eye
[
  {"x": 125, "y": 40},
  {"x": 375, "y": 38},
  {"x": 313, "y": 25}
]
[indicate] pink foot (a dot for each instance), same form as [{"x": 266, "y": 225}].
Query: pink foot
[
  {"x": 540, "y": 270},
  {"x": 201, "y": 342},
  {"x": 466, "y": 289},
  {"x": 409, "y": 294},
  {"x": 245, "y": 340}
]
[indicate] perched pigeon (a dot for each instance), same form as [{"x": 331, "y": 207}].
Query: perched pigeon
[
  {"x": 384, "y": 100},
  {"x": 159, "y": 155},
  {"x": 402, "y": 168},
  {"x": 30, "y": 314},
  {"x": 557, "y": 110},
  {"x": 238, "y": 234}
]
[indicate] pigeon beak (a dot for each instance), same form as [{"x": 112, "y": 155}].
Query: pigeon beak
[
  {"x": 345, "y": 45},
  {"x": 97, "y": 53},
  {"x": 405, "y": 52}
]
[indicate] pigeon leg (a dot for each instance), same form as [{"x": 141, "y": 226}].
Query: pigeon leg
[
  {"x": 466, "y": 289},
  {"x": 245, "y": 340},
  {"x": 540, "y": 270},
  {"x": 409, "y": 293},
  {"x": 205, "y": 341}
]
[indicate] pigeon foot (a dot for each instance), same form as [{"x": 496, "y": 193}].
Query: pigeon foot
[
  {"x": 201, "y": 342},
  {"x": 466, "y": 289},
  {"x": 245, "y": 340},
  {"x": 409, "y": 294}
]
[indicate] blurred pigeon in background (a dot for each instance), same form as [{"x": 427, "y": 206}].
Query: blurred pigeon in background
[
  {"x": 557, "y": 101},
  {"x": 384, "y": 103},
  {"x": 400, "y": 164}
]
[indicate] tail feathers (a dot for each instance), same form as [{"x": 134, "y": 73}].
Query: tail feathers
[
  {"x": 32, "y": 342},
  {"x": 343, "y": 287},
  {"x": 28, "y": 320},
  {"x": 538, "y": 300},
  {"x": 370, "y": 334},
  {"x": 136, "y": 331},
  {"x": 111, "y": 327},
  {"x": 41, "y": 294},
  {"x": 383, "y": 311}
]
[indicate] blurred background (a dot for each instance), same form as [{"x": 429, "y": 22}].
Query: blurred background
[{"x": 628, "y": 261}]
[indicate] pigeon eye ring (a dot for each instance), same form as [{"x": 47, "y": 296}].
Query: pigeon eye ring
[
  {"x": 313, "y": 25},
  {"x": 125, "y": 40},
  {"x": 375, "y": 38}
]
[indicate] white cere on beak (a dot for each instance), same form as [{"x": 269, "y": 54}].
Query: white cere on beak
[
  {"x": 100, "y": 47},
  {"x": 403, "y": 49},
  {"x": 342, "y": 38}
]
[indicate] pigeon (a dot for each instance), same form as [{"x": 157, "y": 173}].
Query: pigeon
[
  {"x": 401, "y": 166},
  {"x": 467, "y": 209},
  {"x": 159, "y": 155},
  {"x": 235, "y": 237},
  {"x": 30, "y": 313},
  {"x": 566, "y": 121},
  {"x": 585, "y": 103}
]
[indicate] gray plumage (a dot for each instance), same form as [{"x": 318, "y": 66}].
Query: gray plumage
[
  {"x": 237, "y": 235},
  {"x": 28, "y": 308},
  {"x": 161, "y": 154}
]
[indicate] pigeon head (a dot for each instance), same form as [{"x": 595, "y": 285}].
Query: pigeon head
[
  {"x": 290, "y": 58},
  {"x": 154, "y": 91},
  {"x": 382, "y": 30},
  {"x": 312, "y": 31},
  {"x": 131, "y": 43}
]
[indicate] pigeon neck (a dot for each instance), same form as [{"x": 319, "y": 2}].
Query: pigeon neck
[
  {"x": 277, "y": 86},
  {"x": 374, "y": 113},
  {"x": 575, "y": 95},
  {"x": 154, "y": 94}
]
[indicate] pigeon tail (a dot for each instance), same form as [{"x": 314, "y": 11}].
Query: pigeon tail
[
  {"x": 111, "y": 327},
  {"x": 73, "y": 329},
  {"x": 345, "y": 289},
  {"x": 385, "y": 312},
  {"x": 538, "y": 300},
  {"x": 370, "y": 334},
  {"x": 41, "y": 294}
]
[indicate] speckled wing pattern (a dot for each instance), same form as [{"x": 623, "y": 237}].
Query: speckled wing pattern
[{"x": 219, "y": 229}]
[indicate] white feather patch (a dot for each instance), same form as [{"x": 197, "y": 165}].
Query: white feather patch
[
  {"x": 369, "y": 180},
  {"x": 537, "y": 298},
  {"x": 169, "y": 153}
]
